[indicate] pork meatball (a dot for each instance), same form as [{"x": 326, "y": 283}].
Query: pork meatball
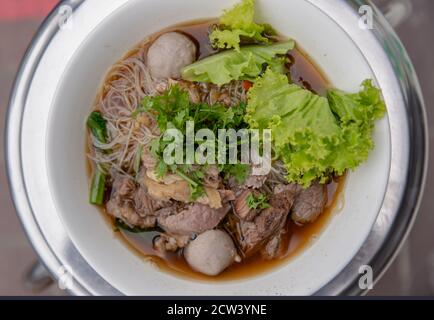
[
  {"x": 211, "y": 252},
  {"x": 169, "y": 54}
]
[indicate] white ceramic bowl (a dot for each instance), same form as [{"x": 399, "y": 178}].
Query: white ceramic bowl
[{"x": 84, "y": 61}]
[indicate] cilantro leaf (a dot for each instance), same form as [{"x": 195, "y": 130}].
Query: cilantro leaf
[{"x": 257, "y": 202}]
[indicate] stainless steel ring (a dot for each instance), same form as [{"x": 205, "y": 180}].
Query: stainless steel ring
[{"x": 408, "y": 164}]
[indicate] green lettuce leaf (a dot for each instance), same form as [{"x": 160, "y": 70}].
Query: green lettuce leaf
[
  {"x": 236, "y": 23},
  {"x": 245, "y": 64},
  {"x": 358, "y": 107},
  {"x": 314, "y": 136},
  {"x": 357, "y": 114}
]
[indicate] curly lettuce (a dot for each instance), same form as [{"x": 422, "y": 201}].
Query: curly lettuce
[
  {"x": 237, "y": 23},
  {"x": 246, "y": 64},
  {"x": 315, "y": 136}
]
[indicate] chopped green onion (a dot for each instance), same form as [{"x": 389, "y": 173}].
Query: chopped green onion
[
  {"x": 97, "y": 188},
  {"x": 97, "y": 125}
]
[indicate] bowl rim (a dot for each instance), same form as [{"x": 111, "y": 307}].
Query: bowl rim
[{"x": 395, "y": 218}]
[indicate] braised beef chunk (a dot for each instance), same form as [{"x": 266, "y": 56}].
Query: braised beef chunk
[
  {"x": 256, "y": 233},
  {"x": 195, "y": 219},
  {"x": 143, "y": 203},
  {"x": 132, "y": 204},
  {"x": 121, "y": 204},
  {"x": 252, "y": 235},
  {"x": 309, "y": 204}
]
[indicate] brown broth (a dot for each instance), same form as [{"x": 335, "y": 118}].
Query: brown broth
[
  {"x": 297, "y": 238},
  {"x": 306, "y": 73}
]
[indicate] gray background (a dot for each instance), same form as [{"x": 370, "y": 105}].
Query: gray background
[{"x": 412, "y": 273}]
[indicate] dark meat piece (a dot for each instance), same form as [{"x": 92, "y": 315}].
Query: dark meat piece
[
  {"x": 143, "y": 203},
  {"x": 252, "y": 235},
  {"x": 195, "y": 219},
  {"x": 132, "y": 204},
  {"x": 121, "y": 202},
  {"x": 256, "y": 233},
  {"x": 309, "y": 204},
  {"x": 284, "y": 196},
  {"x": 127, "y": 214}
]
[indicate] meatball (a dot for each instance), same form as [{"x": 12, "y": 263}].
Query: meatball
[
  {"x": 169, "y": 54},
  {"x": 211, "y": 252}
]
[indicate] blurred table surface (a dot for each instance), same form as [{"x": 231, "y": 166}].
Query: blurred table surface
[{"x": 412, "y": 273}]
